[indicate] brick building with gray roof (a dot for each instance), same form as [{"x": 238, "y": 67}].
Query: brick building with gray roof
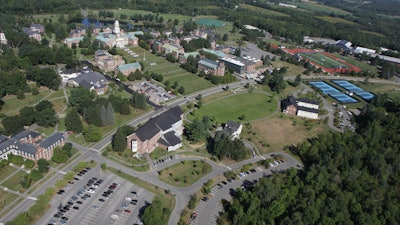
[{"x": 163, "y": 131}]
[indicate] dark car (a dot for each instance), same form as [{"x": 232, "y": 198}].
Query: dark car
[
  {"x": 70, "y": 203},
  {"x": 204, "y": 198},
  {"x": 102, "y": 200},
  {"x": 64, "y": 218},
  {"x": 75, "y": 207},
  {"x": 79, "y": 202},
  {"x": 133, "y": 192}
]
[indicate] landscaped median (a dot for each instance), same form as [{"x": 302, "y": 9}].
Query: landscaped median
[{"x": 185, "y": 173}]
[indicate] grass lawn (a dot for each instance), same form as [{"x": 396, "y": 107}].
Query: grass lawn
[
  {"x": 377, "y": 88},
  {"x": 186, "y": 173},
  {"x": 171, "y": 71},
  {"x": 167, "y": 200},
  {"x": 291, "y": 68},
  {"x": 251, "y": 105},
  {"x": 158, "y": 153},
  {"x": 13, "y": 104},
  {"x": 265, "y": 12},
  {"x": 126, "y": 158},
  {"x": 372, "y": 33},
  {"x": 272, "y": 134},
  {"x": 6, "y": 198},
  {"x": 13, "y": 182},
  {"x": 6, "y": 171},
  {"x": 320, "y": 8},
  {"x": 331, "y": 19}
]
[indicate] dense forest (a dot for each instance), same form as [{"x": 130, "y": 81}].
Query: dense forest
[
  {"x": 373, "y": 19},
  {"x": 349, "y": 178}
]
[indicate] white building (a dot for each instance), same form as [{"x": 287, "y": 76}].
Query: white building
[
  {"x": 3, "y": 39},
  {"x": 361, "y": 50}
]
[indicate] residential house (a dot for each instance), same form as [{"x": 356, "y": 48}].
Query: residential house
[
  {"x": 127, "y": 69},
  {"x": 92, "y": 81},
  {"x": 29, "y": 145},
  {"x": 209, "y": 66},
  {"x": 106, "y": 61},
  {"x": 289, "y": 105},
  {"x": 163, "y": 131},
  {"x": 35, "y": 31},
  {"x": 233, "y": 129}
]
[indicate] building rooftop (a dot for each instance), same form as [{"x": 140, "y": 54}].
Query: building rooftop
[
  {"x": 26, "y": 134},
  {"x": 129, "y": 66},
  {"x": 209, "y": 63},
  {"x": 51, "y": 140}
]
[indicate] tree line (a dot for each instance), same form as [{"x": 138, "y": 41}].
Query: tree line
[{"x": 348, "y": 178}]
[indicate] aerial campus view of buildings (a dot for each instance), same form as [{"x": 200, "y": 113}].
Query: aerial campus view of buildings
[{"x": 166, "y": 129}]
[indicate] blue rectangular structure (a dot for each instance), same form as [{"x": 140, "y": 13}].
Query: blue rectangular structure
[
  {"x": 354, "y": 89},
  {"x": 333, "y": 92}
]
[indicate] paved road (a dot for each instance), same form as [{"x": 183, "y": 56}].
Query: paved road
[{"x": 181, "y": 194}]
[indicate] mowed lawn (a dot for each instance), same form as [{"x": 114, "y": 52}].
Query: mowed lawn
[
  {"x": 251, "y": 105},
  {"x": 276, "y": 132},
  {"x": 14, "y": 182},
  {"x": 186, "y": 173},
  {"x": 6, "y": 198},
  {"x": 171, "y": 72}
]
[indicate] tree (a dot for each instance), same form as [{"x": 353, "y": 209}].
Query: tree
[
  {"x": 43, "y": 166},
  {"x": 59, "y": 156},
  {"x": 12, "y": 124},
  {"x": 47, "y": 118},
  {"x": 197, "y": 130},
  {"x": 138, "y": 100},
  {"x": 91, "y": 134},
  {"x": 73, "y": 121},
  {"x": 118, "y": 142},
  {"x": 44, "y": 104},
  {"x": 297, "y": 81},
  {"x": 181, "y": 90}
]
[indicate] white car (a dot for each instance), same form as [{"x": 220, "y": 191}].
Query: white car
[
  {"x": 114, "y": 216},
  {"x": 91, "y": 191},
  {"x": 128, "y": 198}
]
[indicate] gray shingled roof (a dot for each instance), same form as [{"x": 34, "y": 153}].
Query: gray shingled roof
[
  {"x": 302, "y": 108},
  {"x": 30, "y": 149},
  {"x": 170, "y": 139},
  {"x": 306, "y": 100},
  {"x": 26, "y": 134},
  {"x": 162, "y": 122},
  {"x": 3, "y": 138},
  {"x": 91, "y": 77},
  {"x": 51, "y": 140}
]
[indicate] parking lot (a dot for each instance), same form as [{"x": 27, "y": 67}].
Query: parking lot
[{"x": 95, "y": 198}]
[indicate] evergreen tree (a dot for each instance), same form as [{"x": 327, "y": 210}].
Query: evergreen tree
[
  {"x": 110, "y": 115},
  {"x": 73, "y": 121}
]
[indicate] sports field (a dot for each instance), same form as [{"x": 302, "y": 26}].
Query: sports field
[
  {"x": 210, "y": 22},
  {"x": 322, "y": 60}
]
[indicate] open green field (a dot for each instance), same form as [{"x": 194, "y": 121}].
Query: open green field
[
  {"x": 331, "y": 19},
  {"x": 14, "y": 182},
  {"x": 6, "y": 171},
  {"x": 186, "y": 173},
  {"x": 6, "y": 198},
  {"x": 371, "y": 33},
  {"x": 274, "y": 133},
  {"x": 13, "y": 104},
  {"x": 129, "y": 12},
  {"x": 315, "y": 7},
  {"x": 171, "y": 71},
  {"x": 266, "y": 12},
  {"x": 251, "y": 105},
  {"x": 323, "y": 60}
]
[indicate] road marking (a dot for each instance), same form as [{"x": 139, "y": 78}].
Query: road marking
[
  {"x": 228, "y": 168},
  {"x": 62, "y": 172},
  {"x": 96, "y": 150},
  {"x": 32, "y": 198}
]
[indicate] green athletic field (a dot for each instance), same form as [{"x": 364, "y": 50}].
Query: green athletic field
[{"x": 323, "y": 60}]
